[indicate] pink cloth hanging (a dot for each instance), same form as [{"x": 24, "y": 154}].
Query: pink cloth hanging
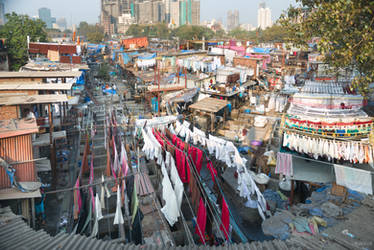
[
  {"x": 284, "y": 164},
  {"x": 77, "y": 200},
  {"x": 225, "y": 219}
]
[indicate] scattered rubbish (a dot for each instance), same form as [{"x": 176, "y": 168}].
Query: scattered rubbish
[{"x": 346, "y": 232}]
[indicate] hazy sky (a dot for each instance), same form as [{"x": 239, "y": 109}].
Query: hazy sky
[{"x": 89, "y": 10}]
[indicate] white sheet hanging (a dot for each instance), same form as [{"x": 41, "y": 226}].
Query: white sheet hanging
[
  {"x": 118, "y": 218},
  {"x": 170, "y": 209},
  {"x": 356, "y": 179}
]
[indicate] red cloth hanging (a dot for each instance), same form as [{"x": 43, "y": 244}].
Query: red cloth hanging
[
  {"x": 196, "y": 156},
  {"x": 182, "y": 166},
  {"x": 199, "y": 160},
  {"x": 225, "y": 219},
  {"x": 201, "y": 221},
  {"x": 174, "y": 140},
  {"x": 213, "y": 171}
]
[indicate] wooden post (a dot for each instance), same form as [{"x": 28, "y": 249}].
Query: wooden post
[
  {"x": 213, "y": 119},
  {"x": 292, "y": 192},
  {"x": 185, "y": 77},
  {"x": 33, "y": 212},
  {"x": 60, "y": 109},
  {"x": 25, "y": 209}
]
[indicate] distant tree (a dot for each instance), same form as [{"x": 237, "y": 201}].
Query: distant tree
[
  {"x": 93, "y": 33},
  {"x": 275, "y": 33},
  {"x": 162, "y": 31},
  {"x": 343, "y": 31},
  {"x": 159, "y": 30},
  {"x": 242, "y": 34},
  {"x": 15, "y": 31},
  {"x": 193, "y": 32},
  {"x": 83, "y": 29},
  {"x": 220, "y": 34},
  {"x": 95, "y": 36},
  {"x": 135, "y": 30}
]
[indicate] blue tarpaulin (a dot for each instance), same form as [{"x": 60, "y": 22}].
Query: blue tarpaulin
[
  {"x": 262, "y": 50},
  {"x": 126, "y": 58},
  {"x": 147, "y": 56},
  {"x": 134, "y": 53},
  {"x": 80, "y": 80},
  {"x": 94, "y": 48},
  {"x": 187, "y": 51}
]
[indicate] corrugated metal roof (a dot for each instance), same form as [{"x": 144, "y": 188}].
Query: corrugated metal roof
[
  {"x": 40, "y": 74},
  {"x": 17, "y": 149},
  {"x": 32, "y": 99},
  {"x": 16, "y": 234}
]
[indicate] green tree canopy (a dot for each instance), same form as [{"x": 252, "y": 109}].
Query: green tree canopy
[
  {"x": 241, "y": 34},
  {"x": 93, "y": 33},
  {"x": 275, "y": 33},
  {"x": 345, "y": 32},
  {"x": 15, "y": 31},
  {"x": 193, "y": 32},
  {"x": 159, "y": 30}
]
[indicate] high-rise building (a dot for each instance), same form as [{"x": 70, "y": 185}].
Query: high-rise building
[
  {"x": 167, "y": 4},
  {"x": 189, "y": 12},
  {"x": 62, "y": 24},
  {"x": 232, "y": 19},
  {"x": 195, "y": 12},
  {"x": 148, "y": 12},
  {"x": 110, "y": 11},
  {"x": 263, "y": 17},
  {"x": 175, "y": 14},
  {"x": 45, "y": 16},
  {"x": 2, "y": 12}
]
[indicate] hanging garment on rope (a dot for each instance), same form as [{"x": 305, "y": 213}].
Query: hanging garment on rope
[
  {"x": 225, "y": 219},
  {"x": 355, "y": 179},
  {"x": 77, "y": 200},
  {"x": 201, "y": 221},
  {"x": 178, "y": 185},
  {"x": 284, "y": 164},
  {"x": 170, "y": 209},
  {"x": 118, "y": 218}
]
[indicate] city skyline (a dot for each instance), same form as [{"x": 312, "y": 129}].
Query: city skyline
[{"x": 209, "y": 9}]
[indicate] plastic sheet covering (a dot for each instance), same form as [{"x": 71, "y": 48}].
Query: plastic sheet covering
[
  {"x": 155, "y": 122},
  {"x": 180, "y": 96}
]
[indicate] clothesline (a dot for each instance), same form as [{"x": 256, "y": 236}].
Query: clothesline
[
  {"x": 197, "y": 177},
  {"x": 89, "y": 185}
]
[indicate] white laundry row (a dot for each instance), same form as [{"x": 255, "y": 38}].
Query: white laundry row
[
  {"x": 171, "y": 195},
  {"x": 353, "y": 151}
]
